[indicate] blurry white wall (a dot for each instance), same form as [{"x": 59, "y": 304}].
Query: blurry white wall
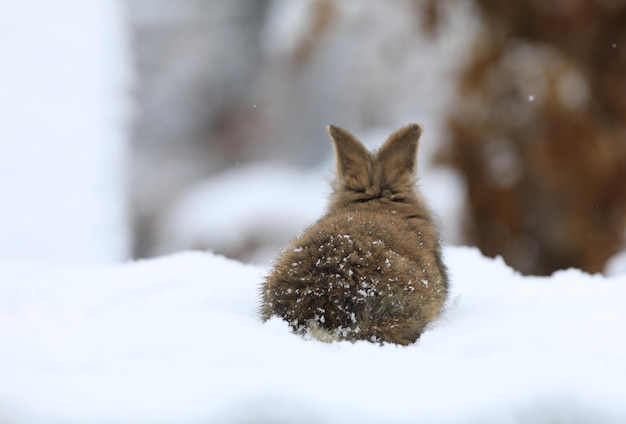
[{"x": 64, "y": 79}]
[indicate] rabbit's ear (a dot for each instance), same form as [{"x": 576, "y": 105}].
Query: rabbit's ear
[
  {"x": 352, "y": 157},
  {"x": 399, "y": 153}
]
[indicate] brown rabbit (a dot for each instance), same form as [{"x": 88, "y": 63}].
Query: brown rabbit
[{"x": 371, "y": 268}]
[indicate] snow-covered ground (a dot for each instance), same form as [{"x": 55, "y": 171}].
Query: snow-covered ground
[{"x": 177, "y": 339}]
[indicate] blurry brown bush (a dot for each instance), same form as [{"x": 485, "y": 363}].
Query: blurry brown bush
[{"x": 539, "y": 132}]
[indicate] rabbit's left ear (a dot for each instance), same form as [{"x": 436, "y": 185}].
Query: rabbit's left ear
[
  {"x": 399, "y": 153},
  {"x": 353, "y": 159}
]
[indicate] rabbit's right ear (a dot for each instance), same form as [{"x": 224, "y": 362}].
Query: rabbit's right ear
[
  {"x": 353, "y": 158},
  {"x": 399, "y": 153}
]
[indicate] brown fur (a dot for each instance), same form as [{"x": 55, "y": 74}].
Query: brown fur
[{"x": 371, "y": 268}]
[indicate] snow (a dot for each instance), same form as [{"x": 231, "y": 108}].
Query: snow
[
  {"x": 258, "y": 204},
  {"x": 177, "y": 339},
  {"x": 617, "y": 264},
  {"x": 62, "y": 141}
]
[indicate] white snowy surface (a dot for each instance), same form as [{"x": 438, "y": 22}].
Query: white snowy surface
[
  {"x": 63, "y": 76},
  {"x": 249, "y": 211},
  {"x": 177, "y": 339},
  {"x": 616, "y": 265}
]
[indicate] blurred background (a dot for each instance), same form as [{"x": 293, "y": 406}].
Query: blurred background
[{"x": 136, "y": 128}]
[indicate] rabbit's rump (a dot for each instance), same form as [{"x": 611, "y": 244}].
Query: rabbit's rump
[{"x": 358, "y": 275}]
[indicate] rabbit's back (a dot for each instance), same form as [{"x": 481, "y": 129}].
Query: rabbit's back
[
  {"x": 371, "y": 269},
  {"x": 360, "y": 275}
]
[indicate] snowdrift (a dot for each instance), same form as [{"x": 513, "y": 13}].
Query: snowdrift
[{"x": 177, "y": 339}]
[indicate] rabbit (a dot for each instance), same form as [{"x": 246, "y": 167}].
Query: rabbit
[{"x": 371, "y": 268}]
